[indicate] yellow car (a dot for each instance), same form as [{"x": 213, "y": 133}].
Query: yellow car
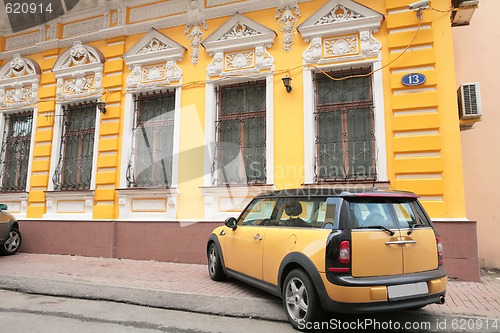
[{"x": 333, "y": 250}]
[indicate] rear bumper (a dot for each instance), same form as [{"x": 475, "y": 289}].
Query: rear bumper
[
  {"x": 358, "y": 295},
  {"x": 386, "y": 306}
]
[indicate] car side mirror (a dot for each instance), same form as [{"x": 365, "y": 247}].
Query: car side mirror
[
  {"x": 3, "y": 207},
  {"x": 231, "y": 223}
]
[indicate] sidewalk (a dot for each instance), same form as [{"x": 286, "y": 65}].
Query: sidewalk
[{"x": 188, "y": 287}]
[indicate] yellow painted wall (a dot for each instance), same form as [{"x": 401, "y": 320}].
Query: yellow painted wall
[{"x": 423, "y": 147}]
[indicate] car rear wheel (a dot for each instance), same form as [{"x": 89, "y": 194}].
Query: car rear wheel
[
  {"x": 300, "y": 299},
  {"x": 12, "y": 244},
  {"x": 214, "y": 264}
]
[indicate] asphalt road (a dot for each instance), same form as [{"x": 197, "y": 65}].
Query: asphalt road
[
  {"x": 20, "y": 312},
  {"x": 47, "y": 314}
]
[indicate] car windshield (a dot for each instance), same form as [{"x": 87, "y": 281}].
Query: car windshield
[{"x": 388, "y": 213}]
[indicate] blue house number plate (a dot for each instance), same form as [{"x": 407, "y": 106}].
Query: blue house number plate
[{"x": 413, "y": 79}]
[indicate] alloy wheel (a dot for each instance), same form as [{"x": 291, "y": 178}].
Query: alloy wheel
[
  {"x": 212, "y": 264},
  {"x": 297, "y": 300},
  {"x": 12, "y": 242}
]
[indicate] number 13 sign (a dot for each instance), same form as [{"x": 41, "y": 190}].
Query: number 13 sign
[{"x": 413, "y": 79}]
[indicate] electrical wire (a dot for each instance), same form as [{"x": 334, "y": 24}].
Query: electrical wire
[
  {"x": 288, "y": 70},
  {"x": 376, "y": 70}
]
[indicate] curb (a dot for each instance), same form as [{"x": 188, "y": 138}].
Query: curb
[{"x": 267, "y": 309}]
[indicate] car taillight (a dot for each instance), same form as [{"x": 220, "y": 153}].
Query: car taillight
[
  {"x": 439, "y": 250},
  {"x": 344, "y": 252}
]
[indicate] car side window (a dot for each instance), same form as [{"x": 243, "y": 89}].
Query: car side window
[
  {"x": 315, "y": 212},
  {"x": 259, "y": 212}
]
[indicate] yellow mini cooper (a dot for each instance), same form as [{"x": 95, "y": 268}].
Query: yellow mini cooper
[{"x": 333, "y": 250}]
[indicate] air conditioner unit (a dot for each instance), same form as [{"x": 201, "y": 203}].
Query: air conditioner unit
[{"x": 469, "y": 101}]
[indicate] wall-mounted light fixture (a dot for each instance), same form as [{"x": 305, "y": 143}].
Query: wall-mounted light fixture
[
  {"x": 101, "y": 106},
  {"x": 286, "y": 83}
]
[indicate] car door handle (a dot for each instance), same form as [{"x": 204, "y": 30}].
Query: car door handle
[
  {"x": 401, "y": 242},
  {"x": 257, "y": 237}
]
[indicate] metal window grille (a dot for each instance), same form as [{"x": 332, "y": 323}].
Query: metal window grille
[
  {"x": 240, "y": 150},
  {"x": 345, "y": 138},
  {"x": 74, "y": 169},
  {"x": 15, "y": 151},
  {"x": 150, "y": 163}
]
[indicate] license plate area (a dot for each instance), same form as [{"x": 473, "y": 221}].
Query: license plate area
[{"x": 410, "y": 290}]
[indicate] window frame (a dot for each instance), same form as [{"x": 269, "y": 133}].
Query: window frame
[
  {"x": 211, "y": 134},
  {"x": 378, "y": 114},
  {"x": 59, "y": 175},
  {"x": 132, "y": 161},
  {"x": 241, "y": 117},
  {"x": 6, "y": 126},
  {"x": 344, "y": 109},
  {"x": 57, "y": 146}
]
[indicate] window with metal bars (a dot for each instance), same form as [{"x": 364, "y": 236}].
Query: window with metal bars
[
  {"x": 15, "y": 151},
  {"x": 240, "y": 151},
  {"x": 74, "y": 169},
  {"x": 345, "y": 138},
  {"x": 150, "y": 163}
]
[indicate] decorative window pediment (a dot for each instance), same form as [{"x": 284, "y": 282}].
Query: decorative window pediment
[
  {"x": 340, "y": 29},
  {"x": 239, "y": 45},
  {"x": 19, "y": 80},
  {"x": 153, "y": 60},
  {"x": 78, "y": 71}
]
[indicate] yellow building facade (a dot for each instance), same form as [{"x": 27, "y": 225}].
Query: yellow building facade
[{"x": 107, "y": 169}]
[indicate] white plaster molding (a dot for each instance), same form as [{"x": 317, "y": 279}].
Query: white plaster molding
[
  {"x": 17, "y": 203},
  {"x": 222, "y": 202},
  {"x": 34, "y": 41},
  {"x": 341, "y": 31},
  {"x": 24, "y": 40},
  {"x": 85, "y": 27},
  {"x": 152, "y": 48},
  {"x": 339, "y": 17},
  {"x": 156, "y": 204},
  {"x": 78, "y": 72},
  {"x": 239, "y": 33},
  {"x": 69, "y": 205},
  {"x": 143, "y": 12},
  {"x": 153, "y": 60},
  {"x": 287, "y": 21},
  {"x": 19, "y": 79},
  {"x": 195, "y": 19},
  {"x": 239, "y": 46}
]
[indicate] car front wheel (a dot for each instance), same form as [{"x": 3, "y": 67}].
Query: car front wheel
[
  {"x": 12, "y": 244},
  {"x": 300, "y": 299},
  {"x": 215, "y": 264}
]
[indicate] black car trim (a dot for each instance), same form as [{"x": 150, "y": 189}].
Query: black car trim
[
  {"x": 350, "y": 281},
  {"x": 215, "y": 239},
  {"x": 300, "y": 259},
  {"x": 266, "y": 286},
  {"x": 341, "y": 307}
]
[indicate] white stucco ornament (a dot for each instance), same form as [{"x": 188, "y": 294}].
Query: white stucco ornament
[
  {"x": 195, "y": 18},
  {"x": 287, "y": 21}
]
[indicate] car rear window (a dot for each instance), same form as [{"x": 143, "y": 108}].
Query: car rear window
[{"x": 389, "y": 213}]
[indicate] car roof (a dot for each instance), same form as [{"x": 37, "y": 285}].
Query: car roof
[{"x": 336, "y": 192}]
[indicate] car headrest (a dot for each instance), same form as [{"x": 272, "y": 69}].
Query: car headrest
[{"x": 293, "y": 208}]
